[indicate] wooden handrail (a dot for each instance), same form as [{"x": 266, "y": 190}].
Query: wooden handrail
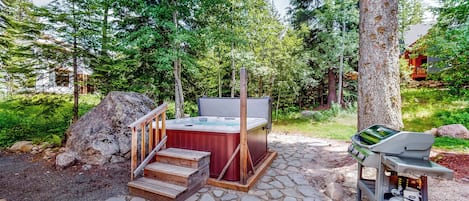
[
  {"x": 144, "y": 128},
  {"x": 160, "y": 109}
]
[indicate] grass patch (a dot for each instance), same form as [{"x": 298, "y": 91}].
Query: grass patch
[
  {"x": 452, "y": 144},
  {"x": 39, "y": 118},
  {"x": 423, "y": 109},
  {"x": 341, "y": 127}
]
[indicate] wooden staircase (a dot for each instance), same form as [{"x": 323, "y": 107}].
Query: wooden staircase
[{"x": 176, "y": 175}]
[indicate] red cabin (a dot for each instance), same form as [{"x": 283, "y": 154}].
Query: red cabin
[{"x": 418, "y": 71}]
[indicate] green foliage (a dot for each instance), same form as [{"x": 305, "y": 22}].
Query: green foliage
[
  {"x": 330, "y": 31},
  {"x": 190, "y": 108},
  {"x": 449, "y": 143},
  {"x": 460, "y": 116},
  {"x": 41, "y": 117},
  {"x": 423, "y": 109},
  {"x": 410, "y": 13},
  {"x": 19, "y": 31},
  {"x": 447, "y": 41},
  {"x": 404, "y": 71}
]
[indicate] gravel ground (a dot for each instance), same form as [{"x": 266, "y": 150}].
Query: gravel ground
[{"x": 28, "y": 177}]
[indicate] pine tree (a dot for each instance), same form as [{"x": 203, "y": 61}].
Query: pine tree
[{"x": 20, "y": 31}]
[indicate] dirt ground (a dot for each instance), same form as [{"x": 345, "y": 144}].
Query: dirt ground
[{"x": 30, "y": 177}]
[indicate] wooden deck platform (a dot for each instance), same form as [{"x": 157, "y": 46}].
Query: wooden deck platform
[{"x": 261, "y": 168}]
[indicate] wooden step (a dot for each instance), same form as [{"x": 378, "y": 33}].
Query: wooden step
[
  {"x": 183, "y": 176},
  {"x": 155, "y": 190},
  {"x": 184, "y": 157}
]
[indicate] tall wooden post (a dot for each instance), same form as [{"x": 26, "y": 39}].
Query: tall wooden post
[{"x": 243, "y": 137}]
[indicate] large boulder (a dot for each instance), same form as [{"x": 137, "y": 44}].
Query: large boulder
[
  {"x": 453, "y": 130},
  {"x": 102, "y": 135}
]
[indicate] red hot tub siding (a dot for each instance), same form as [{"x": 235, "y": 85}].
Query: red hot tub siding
[{"x": 222, "y": 146}]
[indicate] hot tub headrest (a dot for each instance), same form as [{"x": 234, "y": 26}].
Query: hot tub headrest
[{"x": 229, "y": 107}]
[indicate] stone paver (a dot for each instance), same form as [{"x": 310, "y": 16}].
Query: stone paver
[{"x": 285, "y": 179}]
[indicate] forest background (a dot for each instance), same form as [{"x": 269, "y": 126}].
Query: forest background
[{"x": 179, "y": 50}]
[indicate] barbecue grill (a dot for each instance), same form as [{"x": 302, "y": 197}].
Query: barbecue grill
[{"x": 402, "y": 162}]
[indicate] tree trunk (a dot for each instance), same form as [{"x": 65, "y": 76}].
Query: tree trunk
[
  {"x": 219, "y": 83},
  {"x": 379, "y": 100},
  {"x": 341, "y": 67},
  {"x": 260, "y": 86},
  {"x": 331, "y": 87},
  {"x": 233, "y": 72},
  {"x": 104, "y": 28},
  {"x": 179, "y": 96},
  {"x": 75, "y": 70},
  {"x": 178, "y": 93}
]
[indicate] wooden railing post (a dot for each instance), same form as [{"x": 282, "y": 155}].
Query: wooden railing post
[
  {"x": 133, "y": 154},
  {"x": 243, "y": 139}
]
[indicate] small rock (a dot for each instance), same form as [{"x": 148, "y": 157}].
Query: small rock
[
  {"x": 335, "y": 191},
  {"x": 86, "y": 167},
  {"x": 117, "y": 159},
  {"x": 34, "y": 152},
  {"x": 62, "y": 149},
  {"x": 35, "y": 148},
  {"x": 22, "y": 146},
  {"x": 65, "y": 160},
  {"x": 465, "y": 179},
  {"x": 17, "y": 174},
  {"x": 454, "y": 130},
  {"x": 3, "y": 199}
]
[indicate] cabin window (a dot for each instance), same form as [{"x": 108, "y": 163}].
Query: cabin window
[{"x": 62, "y": 78}]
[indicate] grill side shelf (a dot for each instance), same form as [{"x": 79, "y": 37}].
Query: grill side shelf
[{"x": 417, "y": 167}]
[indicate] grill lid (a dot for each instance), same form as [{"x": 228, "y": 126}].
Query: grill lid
[{"x": 375, "y": 134}]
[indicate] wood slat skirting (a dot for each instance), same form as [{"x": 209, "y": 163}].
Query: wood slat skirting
[{"x": 260, "y": 170}]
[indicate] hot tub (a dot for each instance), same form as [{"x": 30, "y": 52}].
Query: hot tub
[{"x": 220, "y": 136}]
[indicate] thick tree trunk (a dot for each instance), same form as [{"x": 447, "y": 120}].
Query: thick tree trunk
[
  {"x": 331, "y": 87},
  {"x": 379, "y": 100}
]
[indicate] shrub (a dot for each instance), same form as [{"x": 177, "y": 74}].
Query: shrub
[{"x": 41, "y": 117}]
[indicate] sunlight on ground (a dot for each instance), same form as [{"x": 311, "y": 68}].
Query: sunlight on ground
[{"x": 340, "y": 128}]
